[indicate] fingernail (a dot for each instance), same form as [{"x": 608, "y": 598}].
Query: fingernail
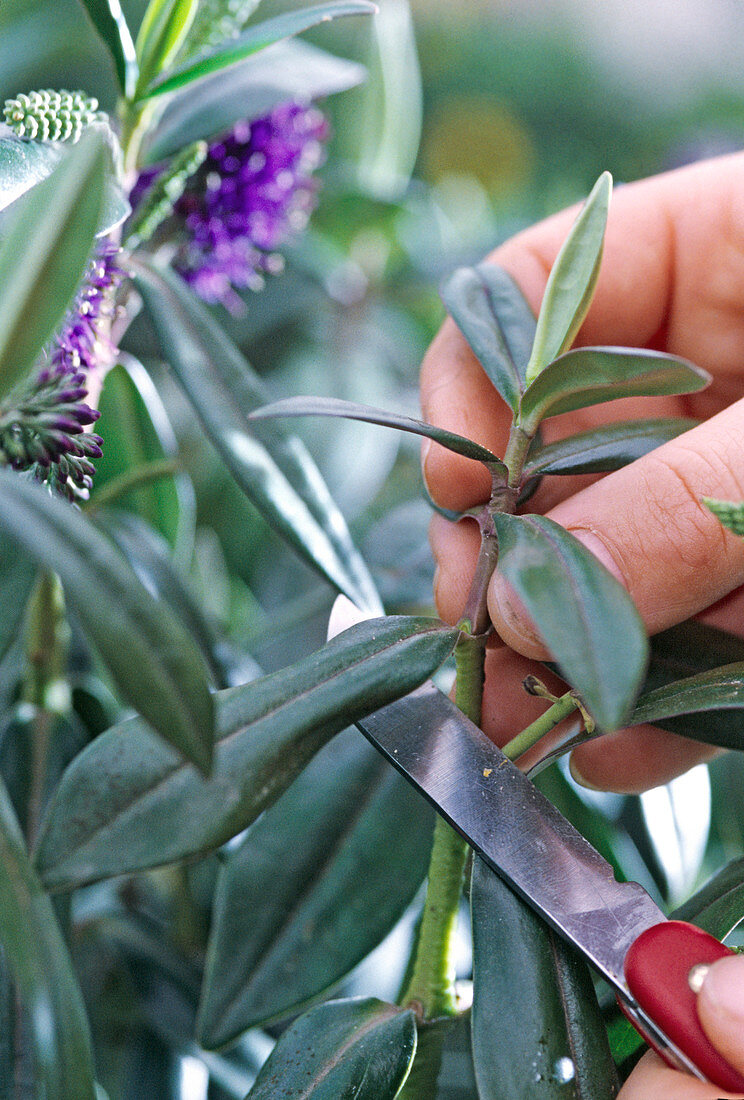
[
  {"x": 578, "y": 777},
  {"x": 507, "y": 610},
  {"x": 723, "y": 990},
  {"x": 425, "y": 449},
  {"x": 594, "y": 543}
]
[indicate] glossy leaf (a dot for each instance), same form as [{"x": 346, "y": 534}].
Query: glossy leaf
[
  {"x": 589, "y": 376},
  {"x": 153, "y": 660},
  {"x": 495, "y": 319},
  {"x": 271, "y": 467},
  {"x": 285, "y": 930},
  {"x": 719, "y": 906},
  {"x": 36, "y": 951},
  {"x": 607, "y": 448},
  {"x": 44, "y": 254},
  {"x": 333, "y": 406},
  {"x": 24, "y": 164},
  {"x": 164, "y": 27},
  {"x": 730, "y": 513},
  {"x": 721, "y": 689},
  {"x": 108, "y": 19},
  {"x": 343, "y": 1050},
  {"x": 572, "y": 280},
  {"x": 585, "y": 616},
  {"x": 128, "y": 802},
  {"x": 537, "y": 1028},
  {"x": 256, "y": 38},
  {"x": 135, "y": 425},
  {"x": 249, "y": 89},
  {"x": 152, "y": 560}
]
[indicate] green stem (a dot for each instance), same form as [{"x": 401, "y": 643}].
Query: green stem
[
  {"x": 529, "y": 736},
  {"x": 431, "y": 987},
  {"x": 515, "y": 455}
]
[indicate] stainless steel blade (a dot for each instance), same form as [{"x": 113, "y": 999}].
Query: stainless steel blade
[{"x": 514, "y": 827}]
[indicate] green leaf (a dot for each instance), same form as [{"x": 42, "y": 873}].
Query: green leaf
[
  {"x": 247, "y": 90},
  {"x": 128, "y": 802},
  {"x": 496, "y": 321},
  {"x": 285, "y": 930},
  {"x": 588, "y": 376},
  {"x": 718, "y": 690},
  {"x": 164, "y": 27},
  {"x": 606, "y": 448},
  {"x": 572, "y": 280},
  {"x": 537, "y": 1028},
  {"x": 32, "y": 941},
  {"x": 155, "y": 663},
  {"x": 17, "y": 576},
  {"x": 20, "y": 735},
  {"x": 24, "y": 164},
  {"x": 152, "y": 560},
  {"x": 271, "y": 467},
  {"x": 343, "y": 1050},
  {"x": 137, "y": 431},
  {"x": 108, "y": 19},
  {"x": 257, "y": 38},
  {"x": 44, "y": 255},
  {"x": 333, "y": 406},
  {"x": 730, "y": 513},
  {"x": 585, "y": 617},
  {"x": 719, "y": 906}
]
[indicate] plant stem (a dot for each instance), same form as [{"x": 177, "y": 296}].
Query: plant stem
[
  {"x": 45, "y": 688},
  {"x": 515, "y": 455},
  {"x": 561, "y": 709},
  {"x": 133, "y": 479},
  {"x": 431, "y": 987}
]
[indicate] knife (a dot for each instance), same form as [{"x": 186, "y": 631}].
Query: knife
[{"x": 655, "y": 965}]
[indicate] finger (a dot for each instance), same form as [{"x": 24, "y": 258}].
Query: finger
[
  {"x": 647, "y": 524},
  {"x": 672, "y": 276},
  {"x": 634, "y": 760},
  {"x": 720, "y": 1007},
  {"x": 652, "y": 1080}
]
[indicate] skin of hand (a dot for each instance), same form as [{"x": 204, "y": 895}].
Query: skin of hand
[
  {"x": 721, "y": 1011},
  {"x": 672, "y": 278}
]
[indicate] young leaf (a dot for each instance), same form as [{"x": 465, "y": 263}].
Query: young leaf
[
  {"x": 254, "y": 39},
  {"x": 721, "y": 689},
  {"x": 164, "y": 27},
  {"x": 356, "y": 1048},
  {"x": 272, "y": 468},
  {"x": 127, "y": 802},
  {"x": 495, "y": 319},
  {"x": 44, "y": 254},
  {"x": 250, "y": 89},
  {"x": 360, "y": 839},
  {"x": 572, "y": 280},
  {"x": 588, "y": 376},
  {"x": 108, "y": 19},
  {"x": 41, "y": 965},
  {"x": 718, "y": 907},
  {"x": 730, "y": 513},
  {"x": 333, "y": 406},
  {"x": 537, "y": 1028},
  {"x": 138, "y": 433},
  {"x": 606, "y": 448},
  {"x": 585, "y": 616},
  {"x": 153, "y": 660}
]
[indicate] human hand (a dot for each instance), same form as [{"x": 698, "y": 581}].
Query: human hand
[
  {"x": 720, "y": 1007},
  {"x": 672, "y": 278}
]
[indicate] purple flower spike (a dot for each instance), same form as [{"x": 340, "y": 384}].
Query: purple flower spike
[{"x": 254, "y": 190}]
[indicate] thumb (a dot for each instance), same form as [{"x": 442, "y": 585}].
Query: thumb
[
  {"x": 720, "y": 1007},
  {"x": 647, "y": 523}
]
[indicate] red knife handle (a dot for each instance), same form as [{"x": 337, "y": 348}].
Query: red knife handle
[{"x": 657, "y": 970}]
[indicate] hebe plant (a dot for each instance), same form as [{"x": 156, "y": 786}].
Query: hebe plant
[{"x": 111, "y": 971}]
